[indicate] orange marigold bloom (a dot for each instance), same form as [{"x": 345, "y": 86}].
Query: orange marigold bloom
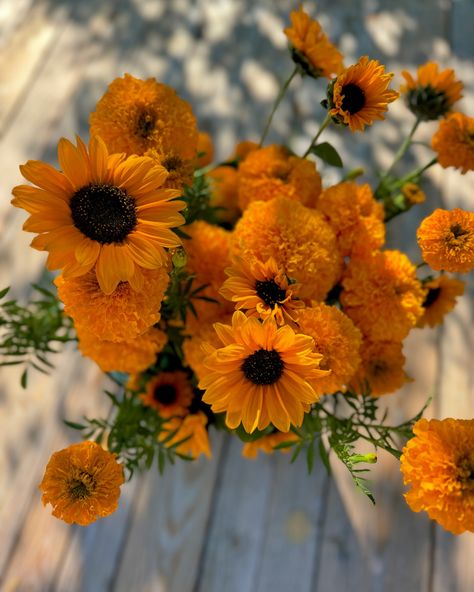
[
  {"x": 440, "y": 299},
  {"x": 454, "y": 142},
  {"x": 438, "y": 465},
  {"x": 360, "y": 95},
  {"x": 208, "y": 253},
  {"x": 82, "y": 483},
  {"x": 312, "y": 50},
  {"x": 170, "y": 393},
  {"x": 224, "y": 184},
  {"x": 119, "y": 316},
  {"x": 135, "y": 115},
  {"x": 298, "y": 238},
  {"x": 355, "y": 216},
  {"x": 433, "y": 93},
  {"x": 180, "y": 171},
  {"x": 192, "y": 429},
  {"x": 382, "y": 295},
  {"x": 413, "y": 193},
  {"x": 337, "y": 340},
  {"x": 446, "y": 240},
  {"x": 267, "y": 444},
  {"x": 102, "y": 210},
  {"x": 131, "y": 356},
  {"x": 244, "y": 148},
  {"x": 205, "y": 150},
  {"x": 273, "y": 172},
  {"x": 381, "y": 370},
  {"x": 261, "y": 374},
  {"x": 262, "y": 290}
]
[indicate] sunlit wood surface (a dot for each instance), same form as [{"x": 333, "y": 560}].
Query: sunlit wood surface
[{"x": 228, "y": 524}]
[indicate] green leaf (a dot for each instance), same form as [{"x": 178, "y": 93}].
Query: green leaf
[
  {"x": 310, "y": 457},
  {"x": 24, "y": 378},
  {"x": 328, "y": 154},
  {"x": 73, "y": 425},
  {"x": 323, "y": 453}
]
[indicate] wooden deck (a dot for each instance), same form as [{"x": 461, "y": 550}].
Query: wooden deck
[{"x": 228, "y": 524}]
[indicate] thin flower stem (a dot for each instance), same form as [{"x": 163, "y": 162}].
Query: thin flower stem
[
  {"x": 403, "y": 148},
  {"x": 277, "y": 102},
  {"x": 416, "y": 173},
  {"x": 324, "y": 125}
]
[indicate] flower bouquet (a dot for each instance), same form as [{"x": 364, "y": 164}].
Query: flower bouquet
[{"x": 246, "y": 296}]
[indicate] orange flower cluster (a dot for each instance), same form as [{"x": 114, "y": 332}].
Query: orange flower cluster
[{"x": 259, "y": 292}]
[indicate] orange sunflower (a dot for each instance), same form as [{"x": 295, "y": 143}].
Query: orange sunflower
[
  {"x": 413, "y": 194},
  {"x": 273, "y": 172},
  {"x": 438, "y": 465},
  {"x": 136, "y": 115},
  {"x": 130, "y": 356},
  {"x": 440, "y": 299},
  {"x": 82, "y": 483},
  {"x": 102, "y": 210},
  {"x": 261, "y": 374},
  {"x": 124, "y": 314},
  {"x": 338, "y": 341},
  {"x": 170, "y": 393},
  {"x": 267, "y": 444},
  {"x": 433, "y": 93},
  {"x": 381, "y": 370},
  {"x": 299, "y": 239},
  {"x": 311, "y": 48},
  {"x": 191, "y": 431},
  {"x": 446, "y": 240},
  {"x": 454, "y": 142},
  {"x": 382, "y": 295},
  {"x": 355, "y": 216},
  {"x": 262, "y": 290},
  {"x": 180, "y": 171},
  {"x": 360, "y": 95}
]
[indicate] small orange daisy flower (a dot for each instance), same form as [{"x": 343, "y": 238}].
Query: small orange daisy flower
[
  {"x": 433, "y": 93},
  {"x": 312, "y": 50},
  {"x": 360, "y": 94},
  {"x": 102, "y": 210},
  {"x": 180, "y": 171},
  {"x": 260, "y": 375},
  {"x": 446, "y": 240},
  {"x": 136, "y": 115},
  {"x": 440, "y": 299},
  {"x": 191, "y": 431},
  {"x": 170, "y": 393},
  {"x": 454, "y": 142},
  {"x": 413, "y": 193},
  {"x": 82, "y": 483},
  {"x": 124, "y": 314},
  {"x": 262, "y": 289},
  {"x": 272, "y": 172},
  {"x": 438, "y": 465}
]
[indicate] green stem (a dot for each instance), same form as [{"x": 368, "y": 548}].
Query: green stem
[
  {"x": 403, "y": 148},
  {"x": 277, "y": 102},
  {"x": 415, "y": 173},
  {"x": 324, "y": 125}
]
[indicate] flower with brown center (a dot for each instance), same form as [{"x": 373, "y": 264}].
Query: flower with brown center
[
  {"x": 433, "y": 93},
  {"x": 311, "y": 49},
  {"x": 360, "y": 94},
  {"x": 261, "y": 374},
  {"x": 170, "y": 393},
  {"x": 438, "y": 465},
  {"x": 440, "y": 299},
  {"x": 454, "y": 142},
  {"x": 262, "y": 289},
  {"x": 101, "y": 210},
  {"x": 82, "y": 483},
  {"x": 446, "y": 240},
  {"x": 191, "y": 436}
]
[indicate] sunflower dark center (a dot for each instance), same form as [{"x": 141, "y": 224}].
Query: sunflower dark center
[
  {"x": 172, "y": 163},
  {"x": 104, "y": 213},
  {"x": 263, "y": 367},
  {"x": 165, "y": 394},
  {"x": 431, "y": 297},
  {"x": 146, "y": 122},
  {"x": 458, "y": 231},
  {"x": 270, "y": 292},
  {"x": 354, "y": 98}
]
